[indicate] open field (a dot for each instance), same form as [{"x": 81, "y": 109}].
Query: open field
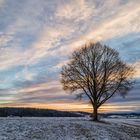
[{"x": 68, "y": 129}]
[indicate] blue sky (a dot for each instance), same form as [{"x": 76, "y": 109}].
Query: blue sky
[{"x": 38, "y": 36}]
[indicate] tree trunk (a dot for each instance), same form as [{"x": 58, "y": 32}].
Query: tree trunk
[{"x": 95, "y": 114}]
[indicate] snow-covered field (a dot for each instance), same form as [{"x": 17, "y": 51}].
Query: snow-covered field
[{"x": 68, "y": 129}]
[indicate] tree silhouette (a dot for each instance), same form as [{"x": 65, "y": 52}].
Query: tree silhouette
[{"x": 96, "y": 71}]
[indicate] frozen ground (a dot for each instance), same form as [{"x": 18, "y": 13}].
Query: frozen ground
[{"x": 68, "y": 129}]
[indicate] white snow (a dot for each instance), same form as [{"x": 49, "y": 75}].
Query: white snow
[{"x": 68, "y": 129}]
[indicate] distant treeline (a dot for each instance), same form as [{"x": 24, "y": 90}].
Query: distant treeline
[
  {"x": 125, "y": 114},
  {"x": 33, "y": 112}
]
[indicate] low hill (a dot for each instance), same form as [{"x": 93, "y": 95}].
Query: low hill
[{"x": 34, "y": 112}]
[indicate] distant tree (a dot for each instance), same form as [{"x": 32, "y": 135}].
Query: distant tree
[{"x": 96, "y": 71}]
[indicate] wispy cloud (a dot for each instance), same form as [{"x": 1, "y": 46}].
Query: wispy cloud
[{"x": 37, "y": 38}]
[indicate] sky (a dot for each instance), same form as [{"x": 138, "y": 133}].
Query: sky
[{"x": 38, "y": 36}]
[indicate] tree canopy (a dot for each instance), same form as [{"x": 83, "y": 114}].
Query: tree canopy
[{"x": 97, "y": 71}]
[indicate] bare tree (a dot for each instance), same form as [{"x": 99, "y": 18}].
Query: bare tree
[{"x": 96, "y": 71}]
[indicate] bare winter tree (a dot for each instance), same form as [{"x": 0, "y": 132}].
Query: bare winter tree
[{"x": 96, "y": 71}]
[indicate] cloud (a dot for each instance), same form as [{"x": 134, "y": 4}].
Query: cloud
[
  {"x": 74, "y": 10},
  {"x": 51, "y": 36},
  {"x": 137, "y": 69},
  {"x": 130, "y": 106},
  {"x": 120, "y": 22},
  {"x": 25, "y": 74},
  {"x": 37, "y": 38}
]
